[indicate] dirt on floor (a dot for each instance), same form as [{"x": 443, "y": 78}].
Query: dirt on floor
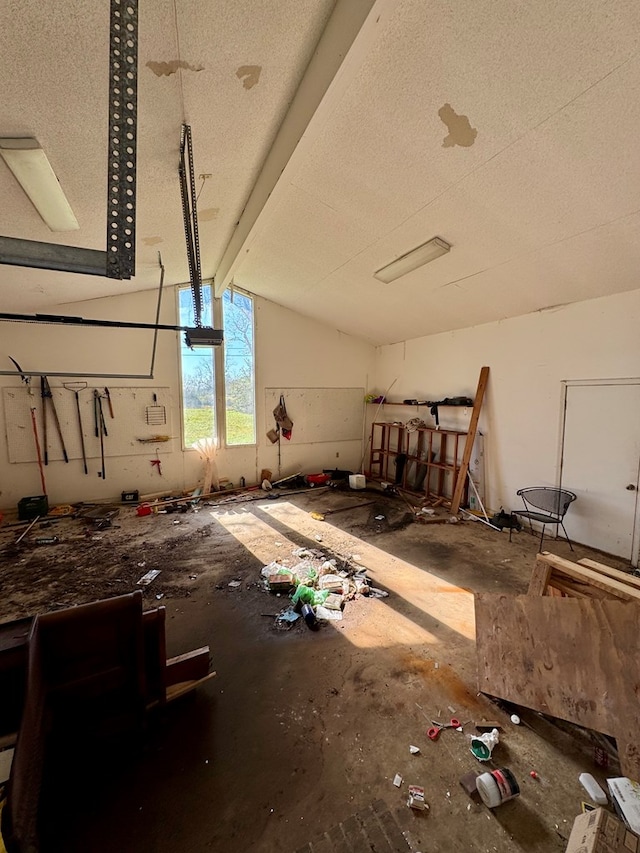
[{"x": 302, "y": 729}]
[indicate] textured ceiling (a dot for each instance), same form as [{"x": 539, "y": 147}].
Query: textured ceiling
[
  {"x": 534, "y": 179},
  {"x": 54, "y": 68}
]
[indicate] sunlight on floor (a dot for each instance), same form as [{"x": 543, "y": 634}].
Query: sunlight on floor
[
  {"x": 434, "y": 599},
  {"x": 256, "y": 535}
]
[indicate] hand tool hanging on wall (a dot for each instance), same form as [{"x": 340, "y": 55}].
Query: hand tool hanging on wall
[
  {"x": 156, "y": 415},
  {"x": 27, "y": 381},
  {"x": 103, "y": 423},
  {"x": 100, "y": 428},
  {"x": 76, "y": 387},
  {"x": 100, "y": 425},
  {"x": 157, "y": 462},
  {"x": 46, "y": 394},
  {"x": 108, "y": 396}
]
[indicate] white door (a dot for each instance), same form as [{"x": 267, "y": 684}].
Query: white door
[{"x": 600, "y": 462}]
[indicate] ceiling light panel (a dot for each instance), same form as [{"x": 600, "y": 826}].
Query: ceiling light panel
[
  {"x": 32, "y": 170},
  {"x": 429, "y": 251}
]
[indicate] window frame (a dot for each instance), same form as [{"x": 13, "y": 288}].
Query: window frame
[{"x": 219, "y": 372}]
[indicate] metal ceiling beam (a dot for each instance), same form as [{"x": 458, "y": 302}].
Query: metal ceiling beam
[
  {"x": 344, "y": 43},
  {"x": 118, "y": 261},
  {"x": 52, "y": 256}
]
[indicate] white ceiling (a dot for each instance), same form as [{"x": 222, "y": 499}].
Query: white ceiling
[{"x": 543, "y": 208}]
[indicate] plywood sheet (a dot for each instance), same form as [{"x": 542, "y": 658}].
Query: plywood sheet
[{"x": 573, "y": 658}]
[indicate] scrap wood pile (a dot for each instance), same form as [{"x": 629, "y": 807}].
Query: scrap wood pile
[
  {"x": 319, "y": 587},
  {"x": 569, "y": 649}
]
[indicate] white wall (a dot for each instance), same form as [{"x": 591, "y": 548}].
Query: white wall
[
  {"x": 529, "y": 357},
  {"x": 291, "y": 351}
]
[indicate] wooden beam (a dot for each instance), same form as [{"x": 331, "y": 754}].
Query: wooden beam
[
  {"x": 539, "y": 578},
  {"x": 471, "y": 437},
  {"x": 616, "y": 574},
  {"x": 615, "y": 588},
  {"x": 353, "y": 27},
  {"x": 572, "y": 591}
]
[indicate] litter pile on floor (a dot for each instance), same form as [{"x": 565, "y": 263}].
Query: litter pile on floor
[{"x": 319, "y": 587}]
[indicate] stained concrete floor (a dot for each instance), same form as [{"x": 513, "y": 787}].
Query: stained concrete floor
[{"x": 301, "y": 732}]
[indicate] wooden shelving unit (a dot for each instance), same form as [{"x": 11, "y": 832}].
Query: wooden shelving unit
[
  {"x": 438, "y": 469},
  {"x": 423, "y": 461}
]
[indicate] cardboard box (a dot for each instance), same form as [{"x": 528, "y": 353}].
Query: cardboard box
[
  {"x": 281, "y": 581},
  {"x": 599, "y": 831},
  {"x": 626, "y": 800}
]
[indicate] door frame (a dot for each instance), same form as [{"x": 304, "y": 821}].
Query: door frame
[{"x": 570, "y": 383}]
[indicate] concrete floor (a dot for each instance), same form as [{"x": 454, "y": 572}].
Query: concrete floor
[{"x": 301, "y": 731}]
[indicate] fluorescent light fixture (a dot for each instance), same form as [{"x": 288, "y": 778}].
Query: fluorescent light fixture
[
  {"x": 33, "y": 171},
  {"x": 429, "y": 251}
]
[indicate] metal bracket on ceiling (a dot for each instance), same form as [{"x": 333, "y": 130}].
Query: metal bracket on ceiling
[{"x": 118, "y": 261}]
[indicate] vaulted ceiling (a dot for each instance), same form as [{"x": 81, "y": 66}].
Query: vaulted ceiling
[{"x": 338, "y": 136}]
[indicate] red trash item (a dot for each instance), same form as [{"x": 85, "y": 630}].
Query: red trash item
[
  {"x": 317, "y": 479},
  {"x": 144, "y": 509}
]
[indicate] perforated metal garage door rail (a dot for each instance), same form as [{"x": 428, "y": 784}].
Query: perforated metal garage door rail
[{"x": 374, "y": 830}]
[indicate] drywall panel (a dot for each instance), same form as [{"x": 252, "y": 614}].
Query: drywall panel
[
  {"x": 319, "y": 414},
  {"x": 529, "y": 357},
  {"x": 291, "y": 352}
]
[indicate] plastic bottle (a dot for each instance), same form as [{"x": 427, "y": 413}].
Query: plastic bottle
[
  {"x": 593, "y": 789},
  {"x": 309, "y": 617}
]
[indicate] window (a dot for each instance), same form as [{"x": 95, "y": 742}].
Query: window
[{"x": 220, "y": 376}]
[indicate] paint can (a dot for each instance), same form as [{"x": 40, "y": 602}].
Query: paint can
[{"x": 497, "y": 787}]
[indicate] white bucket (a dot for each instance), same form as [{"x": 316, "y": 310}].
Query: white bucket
[
  {"x": 497, "y": 786},
  {"x": 357, "y": 481}
]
